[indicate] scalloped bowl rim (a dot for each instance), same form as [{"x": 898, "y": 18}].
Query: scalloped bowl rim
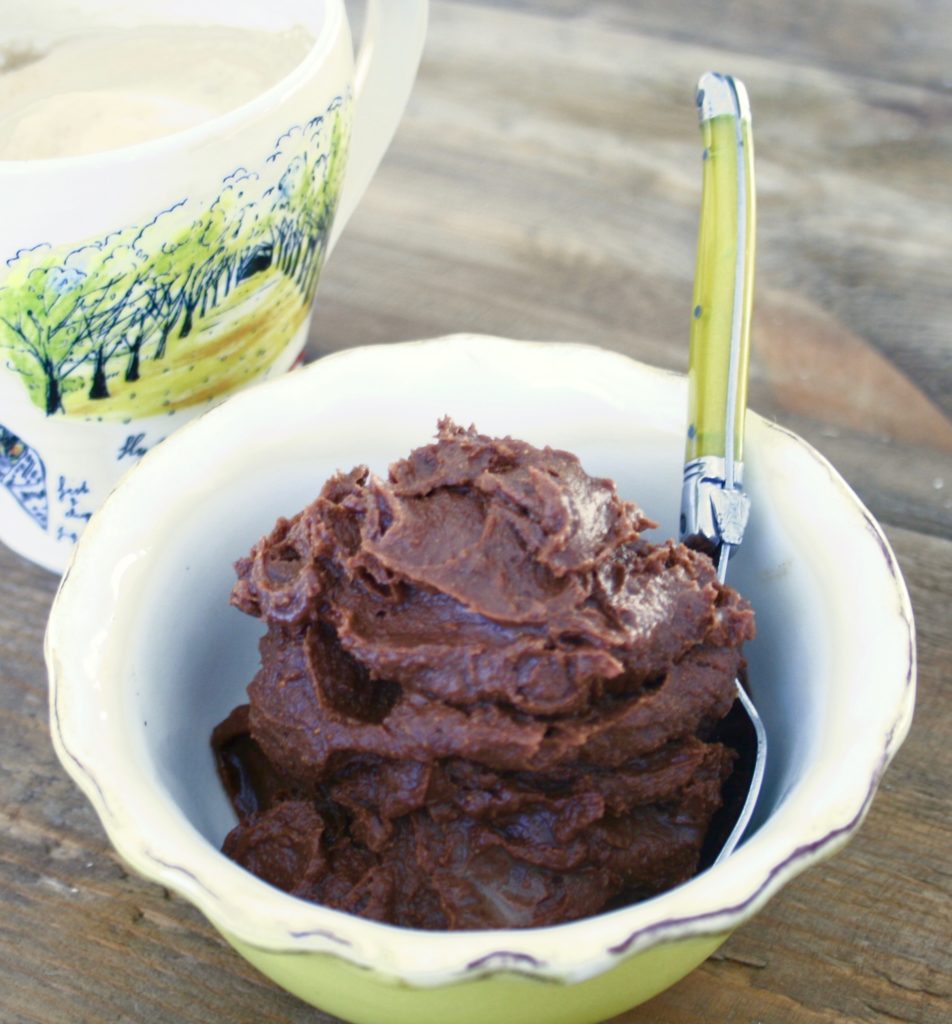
[{"x": 166, "y": 848}]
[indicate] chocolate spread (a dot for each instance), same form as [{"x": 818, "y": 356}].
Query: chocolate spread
[{"x": 485, "y": 700}]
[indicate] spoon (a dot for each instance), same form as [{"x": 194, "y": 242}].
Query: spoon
[{"x": 714, "y": 507}]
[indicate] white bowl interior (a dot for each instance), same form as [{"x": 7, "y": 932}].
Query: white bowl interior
[
  {"x": 173, "y": 658},
  {"x": 209, "y": 650}
]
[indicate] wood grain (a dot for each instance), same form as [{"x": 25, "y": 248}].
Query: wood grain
[{"x": 544, "y": 184}]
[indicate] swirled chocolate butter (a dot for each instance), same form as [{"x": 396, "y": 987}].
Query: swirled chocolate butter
[{"x": 485, "y": 700}]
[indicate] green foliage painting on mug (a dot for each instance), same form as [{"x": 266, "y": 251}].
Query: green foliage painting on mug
[{"x": 195, "y": 303}]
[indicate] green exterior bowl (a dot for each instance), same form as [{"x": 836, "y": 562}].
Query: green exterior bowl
[
  {"x": 145, "y": 656},
  {"x": 503, "y": 997}
]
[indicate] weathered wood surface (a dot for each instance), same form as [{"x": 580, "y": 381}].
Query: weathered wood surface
[{"x": 545, "y": 185}]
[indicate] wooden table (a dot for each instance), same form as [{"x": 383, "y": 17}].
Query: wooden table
[{"x": 545, "y": 184}]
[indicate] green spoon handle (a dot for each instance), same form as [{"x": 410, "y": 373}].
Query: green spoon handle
[
  {"x": 714, "y": 508},
  {"x": 723, "y": 284}
]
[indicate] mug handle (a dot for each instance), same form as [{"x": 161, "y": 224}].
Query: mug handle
[{"x": 385, "y": 69}]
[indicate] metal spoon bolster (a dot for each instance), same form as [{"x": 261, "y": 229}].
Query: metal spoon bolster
[{"x": 710, "y": 509}]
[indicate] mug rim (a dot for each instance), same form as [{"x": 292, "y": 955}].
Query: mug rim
[{"x": 263, "y": 101}]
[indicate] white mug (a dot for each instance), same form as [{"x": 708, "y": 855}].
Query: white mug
[{"x": 143, "y": 283}]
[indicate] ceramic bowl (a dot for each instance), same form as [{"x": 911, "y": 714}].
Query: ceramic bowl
[{"x": 145, "y": 655}]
